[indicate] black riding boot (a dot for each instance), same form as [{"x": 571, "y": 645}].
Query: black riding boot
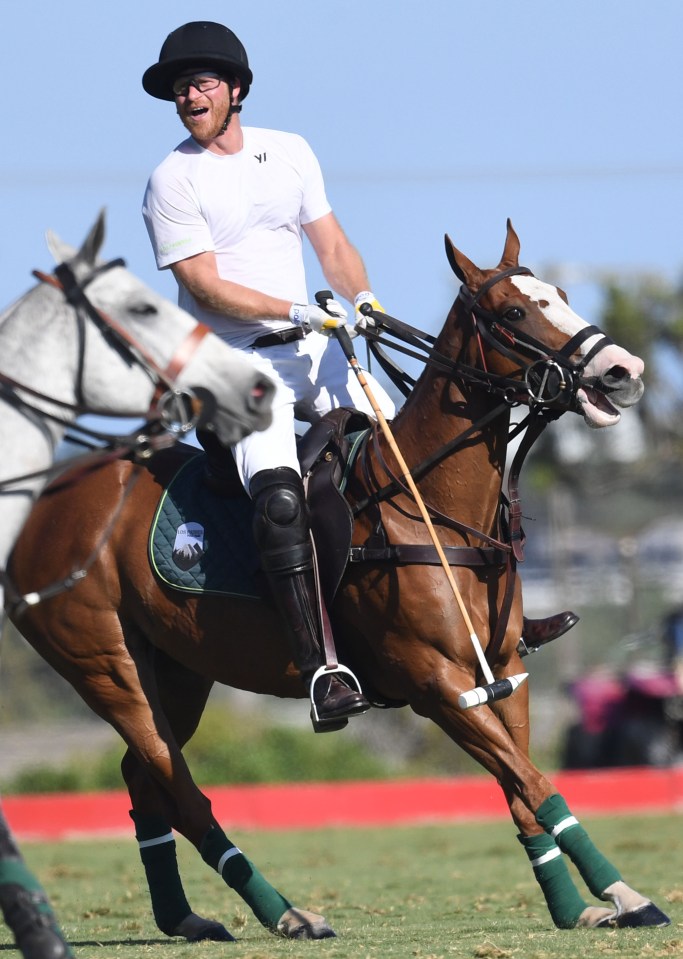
[
  {"x": 540, "y": 632},
  {"x": 281, "y": 531}
]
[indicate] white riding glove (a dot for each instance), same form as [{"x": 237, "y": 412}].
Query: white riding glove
[
  {"x": 366, "y": 322},
  {"x": 312, "y": 317}
]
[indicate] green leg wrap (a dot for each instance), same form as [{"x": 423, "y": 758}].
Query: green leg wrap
[
  {"x": 24, "y": 904},
  {"x": 158, "y": 854},
  {"x": 15, "y": 872},
  {"x": 596, "y": 871},
  {"x": 564, "y": 902},
  {"x": 241, "y": 875},
  {"x": 28, "y": 913}
]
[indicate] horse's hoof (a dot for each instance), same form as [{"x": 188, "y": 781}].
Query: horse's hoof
[
  {"x": 299, "y": 924},
  {"x": 597, "y": 917},
  {"x": 647, "y": 915},
  {"x": 196, "y": 929},
  {"x": 43, "y": 943}
]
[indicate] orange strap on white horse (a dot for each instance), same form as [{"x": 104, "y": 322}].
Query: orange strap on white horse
[{"x": 493, "y": 689}]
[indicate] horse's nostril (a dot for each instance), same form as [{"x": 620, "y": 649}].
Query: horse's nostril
[{"x": 614, "y": 377}]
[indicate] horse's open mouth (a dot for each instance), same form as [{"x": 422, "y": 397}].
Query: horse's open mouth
[{"x": 596, "y": 408}]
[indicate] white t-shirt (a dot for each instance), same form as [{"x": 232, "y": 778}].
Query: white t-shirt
[{"x": 248, "y": 208}]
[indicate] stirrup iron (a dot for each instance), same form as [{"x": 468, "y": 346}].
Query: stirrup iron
[{"x": 330, "y": 725}]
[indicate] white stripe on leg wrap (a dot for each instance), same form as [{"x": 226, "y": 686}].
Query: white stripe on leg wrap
[
  {"x": 564, "y": 824},
  {"x": 224, "y": 858},
  {"x": 547, "y": 857},
  {"x": 144, "y": 843}
]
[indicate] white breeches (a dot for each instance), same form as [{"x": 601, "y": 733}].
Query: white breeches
[{"x": 311, "y": 376}]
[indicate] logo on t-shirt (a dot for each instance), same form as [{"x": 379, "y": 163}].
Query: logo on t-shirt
[{"x": 261, "y": 157}]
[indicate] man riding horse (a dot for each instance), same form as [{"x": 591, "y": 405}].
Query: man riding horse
[{"x": 226, "y": 212}]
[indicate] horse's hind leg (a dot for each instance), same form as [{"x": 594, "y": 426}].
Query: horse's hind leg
[
  {"x": 183, "y": 695},
  {"x": 152, "y": 812},
  {"x": 25, "y": 905}
]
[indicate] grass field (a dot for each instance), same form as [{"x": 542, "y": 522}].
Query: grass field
[{"x": 424, "y": 892}]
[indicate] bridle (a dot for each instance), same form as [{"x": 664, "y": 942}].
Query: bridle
[
  {"x": 552, "y": 378},
  {"x": 65, "y": 280},
  {"x": 545, "y": 378},
  {"x": 548, "y": 385},
  {"x": 172, "y": 412}
]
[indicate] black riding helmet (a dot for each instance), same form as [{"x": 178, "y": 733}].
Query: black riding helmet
[{"x": 202, "y": 45}]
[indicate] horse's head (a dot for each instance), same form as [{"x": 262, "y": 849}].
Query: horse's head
[
  {"x": 164, "y": 339},
  {"x": 564, "y": 362}
]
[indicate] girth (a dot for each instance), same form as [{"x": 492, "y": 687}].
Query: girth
[
  {"x": 328, "y": 460},
  {"x": 406, "y": 555}
]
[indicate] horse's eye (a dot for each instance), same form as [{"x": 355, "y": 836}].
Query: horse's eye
[
  {"x": 514, "y": 314},
  {"x": 143, "y": 309}
]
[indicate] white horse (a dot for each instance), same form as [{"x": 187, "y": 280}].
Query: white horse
[
  {"x": 64, "y": 352},
  {"x": 94, "y": 338}
]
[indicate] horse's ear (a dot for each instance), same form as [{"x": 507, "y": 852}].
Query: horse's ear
[
  {"x": 463, "y": 268},
  {"x": 60, "y": 250},
  {"x": 63, "y": 253},
  {"x": 511, "y": 252},
  {"x": 93, "y": 241}
]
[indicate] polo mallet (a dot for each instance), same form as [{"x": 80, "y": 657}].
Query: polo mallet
[{"x": 494, "y": 689}]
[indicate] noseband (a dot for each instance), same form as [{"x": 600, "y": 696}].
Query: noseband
[{"x": 551, "y": 379}]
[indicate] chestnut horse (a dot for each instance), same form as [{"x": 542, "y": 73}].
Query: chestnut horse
[{"x": 144, "y": 656}]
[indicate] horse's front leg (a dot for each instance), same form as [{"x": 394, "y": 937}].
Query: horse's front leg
[
  {"x": 565, "y": 904},
  {"x": 498, "y": 738},
  {"x": 550, "y": 833}
]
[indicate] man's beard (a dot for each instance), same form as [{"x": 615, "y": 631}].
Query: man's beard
[{"x": 211, "y": 125}]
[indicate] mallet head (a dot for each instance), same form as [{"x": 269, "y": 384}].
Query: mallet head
[{"x": 491, "y": 692}]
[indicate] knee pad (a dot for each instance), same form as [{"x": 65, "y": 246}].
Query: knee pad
[{"x": 281, "y": 526}]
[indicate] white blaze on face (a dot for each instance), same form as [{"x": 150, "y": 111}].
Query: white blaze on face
[
  {"x": 558, "y": 313},
  {"x": 597, "y": 409}
]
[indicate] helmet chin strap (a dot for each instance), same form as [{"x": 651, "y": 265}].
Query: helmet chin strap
[{"x": 234, "y": 108}]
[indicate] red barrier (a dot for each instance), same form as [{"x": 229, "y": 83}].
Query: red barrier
[{"x": 319, "y": 805}]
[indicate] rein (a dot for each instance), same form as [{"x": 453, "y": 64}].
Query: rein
[{"x": 16, "y": 604}]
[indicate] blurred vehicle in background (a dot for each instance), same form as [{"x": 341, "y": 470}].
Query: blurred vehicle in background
[{"x": 631, "y": 713}]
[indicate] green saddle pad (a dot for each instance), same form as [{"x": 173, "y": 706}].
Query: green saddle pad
[{"x": 200, "y": 542}]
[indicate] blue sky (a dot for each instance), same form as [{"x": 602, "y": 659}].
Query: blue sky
[{"x": 431, "y": 118}]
